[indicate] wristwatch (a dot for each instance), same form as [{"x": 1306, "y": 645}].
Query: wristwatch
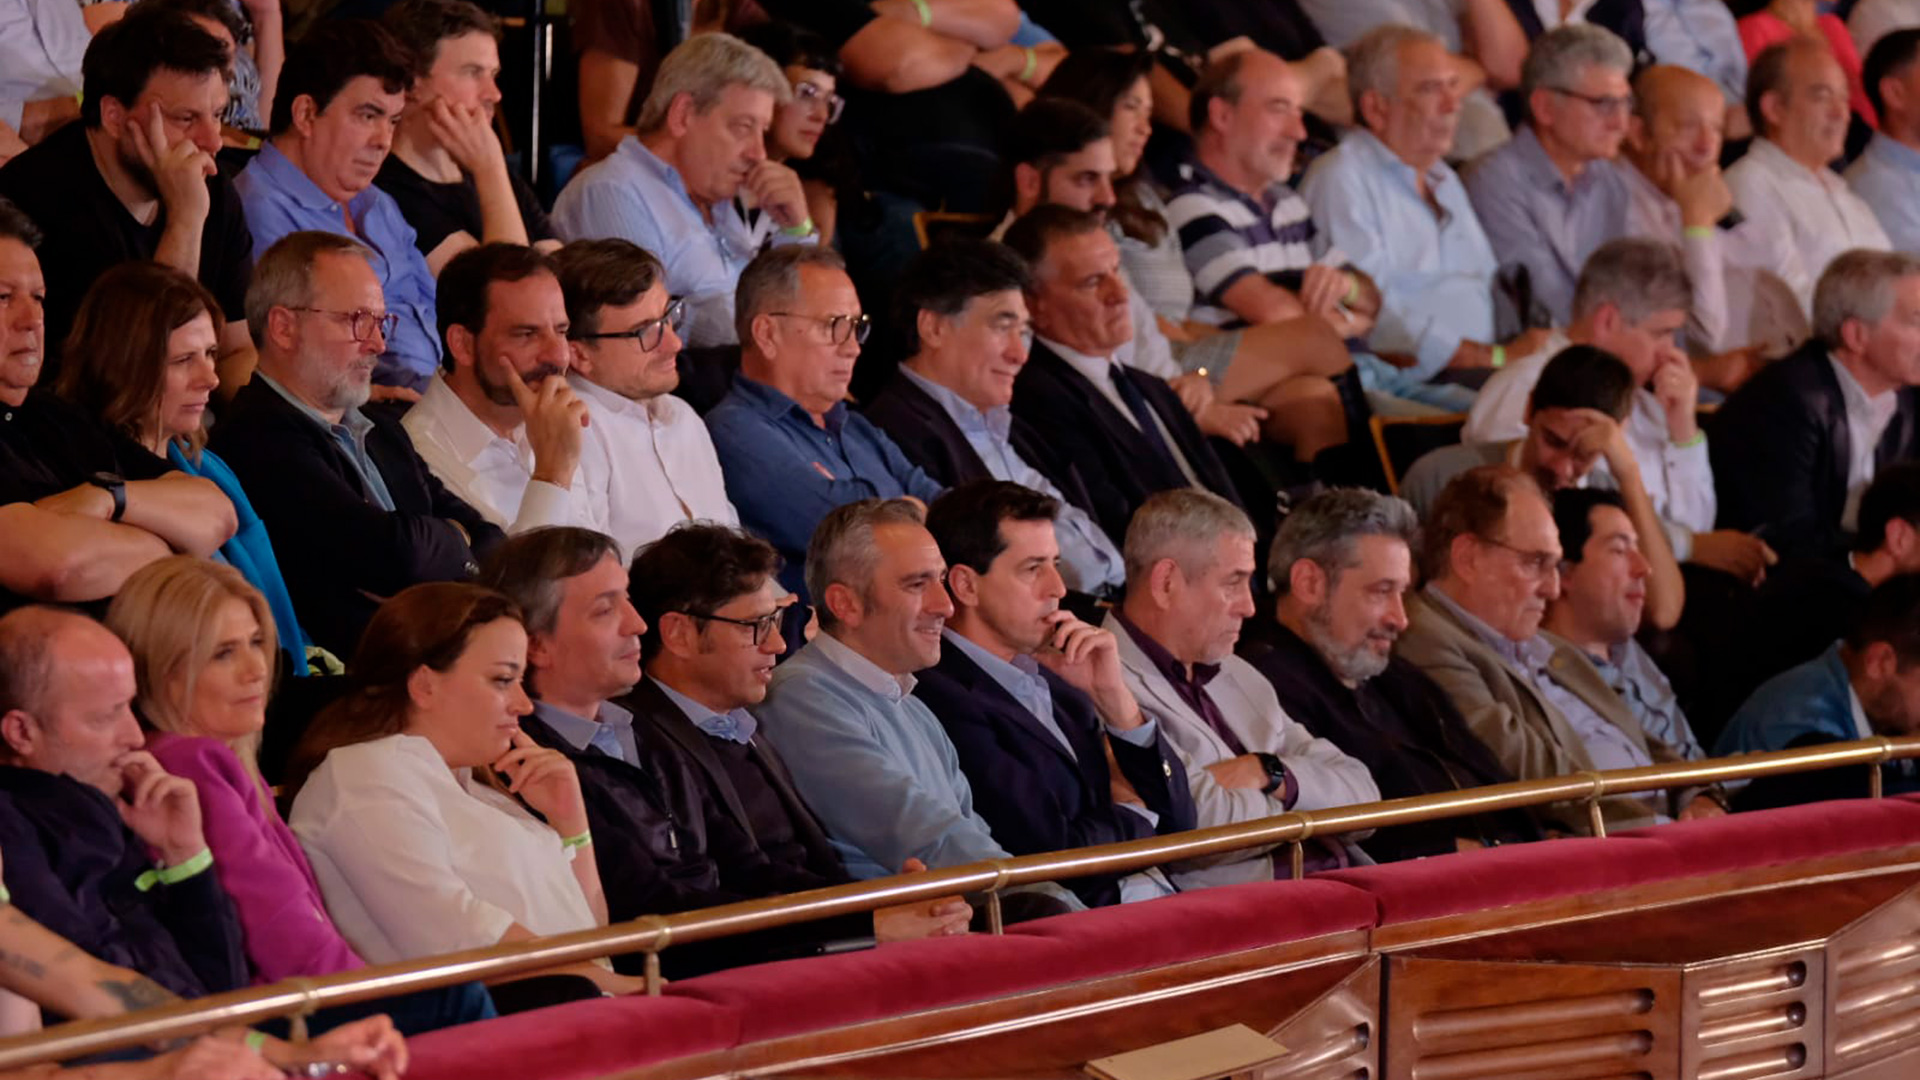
[
  {"x": 112, "y": 484},
  {"x": 1276, "y": 772}
]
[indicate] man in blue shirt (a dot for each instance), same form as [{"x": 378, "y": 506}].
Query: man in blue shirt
[
  {"x": 673, "y": 187},
  {"x": 1887, "y": 175},
  {"x": 334, "y": 114},
  {"x": 789, "y": 446},
  {"x": 948, "y": 406}
]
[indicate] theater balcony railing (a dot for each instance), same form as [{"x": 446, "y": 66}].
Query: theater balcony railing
[{"x": 295, "y": 998}]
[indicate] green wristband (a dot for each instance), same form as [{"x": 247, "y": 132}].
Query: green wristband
[
  {"x": 926, "y": 12},
  {"x": 803, "y": 229},
  {"x": 1698, "y": 438},
  {"x": 173, "y": 875},
  {"x": 580, "y": 841},
  {"x": 1353, "y": 289},
  {"x": 5, "y": 896},
  {"x": 255, "y": 1040},
  {"x": 1697, "y": 232},
  {"x": 1032, "y": 65},
  {"x": 1499, "y": 357}
]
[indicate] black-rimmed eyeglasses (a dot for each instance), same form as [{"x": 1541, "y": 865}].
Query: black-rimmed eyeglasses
[
  {"x": 1605, "y": 106},
  {"x": 650, "y": 333},
  {"x": 360, "y": 321},
  {"x": 762, "y": 626},
  {"x": 839, "y": 327}
]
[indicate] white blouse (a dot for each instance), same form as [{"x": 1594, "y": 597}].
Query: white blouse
[{"x": 416, "y": 859}]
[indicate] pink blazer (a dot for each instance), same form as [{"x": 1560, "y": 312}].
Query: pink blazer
[{"x": 259, "y": 864}]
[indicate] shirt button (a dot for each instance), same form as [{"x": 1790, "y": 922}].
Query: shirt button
[{"x": 1166, "y": 768}]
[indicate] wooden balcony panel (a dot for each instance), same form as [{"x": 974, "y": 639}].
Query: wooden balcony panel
[{"x": 1873, "y": 990}]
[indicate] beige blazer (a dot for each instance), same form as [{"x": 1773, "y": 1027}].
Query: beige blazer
[
  {"x": 1325, "y": 775},
  {"x": 1529, "y": 736}
]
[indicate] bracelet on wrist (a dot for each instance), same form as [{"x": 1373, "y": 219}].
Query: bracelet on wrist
[
  {"x": 804, "y": 229},
  {"x": 255, "y": 1040},
  {"x": 578, "y": 840},
  {"x": 1699, "y": 437},
  {"x": 1032, "y": 65},
  {"x": 173, "y": 875},
  {"x": 1498, "y": 359},
  {"x": 926, "y": 12}
]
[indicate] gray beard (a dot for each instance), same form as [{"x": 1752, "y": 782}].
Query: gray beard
[{"x": 1355, "y": 665}]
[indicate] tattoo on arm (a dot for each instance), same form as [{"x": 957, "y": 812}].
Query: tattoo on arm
[
  {"x": 22, "y": 965},
  {"x": 137, "y": 993}
]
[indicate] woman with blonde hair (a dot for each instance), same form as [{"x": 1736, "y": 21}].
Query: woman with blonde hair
[
  {"x": 415, "y": 796},
  {"x": 141, "y": 357},
  {"x": 203, "y": 648}
]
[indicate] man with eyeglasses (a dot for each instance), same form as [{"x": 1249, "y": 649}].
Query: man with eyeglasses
[
  {"x": 679, "y": 824},
  {"x": 356, "y": 516},
  {"x": 500, "y": 426},
  {"x": 790, "y": 447},
  {"x": 646, "y": 456},
  {"x": 1491, "y": 554},
  {"x": 1797, "y": 99},
  {"x": 1553, "y": 194},
  {"x": 948, "y": 404}
]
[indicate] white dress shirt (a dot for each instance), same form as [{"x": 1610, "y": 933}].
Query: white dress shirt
[
  {"x": 650, "y": 463},
  {"x": 1748, "y": 288},
  {"x": 1812, "y": 211},
  {"x": 491, "y": 474},
  {"x": 1867, "y": 420},
  {"x": 1678, "y": 479},
  {"x": 416, "y": 859},
  {"x": 1099, "y": 371}
]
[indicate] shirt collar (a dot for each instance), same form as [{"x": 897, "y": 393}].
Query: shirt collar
[
  {"x": 1368, "y": 145},
  {"x": 1855, "y": 396},
  {"x": 1526, "y": 655},
  {"x": 637, "y": 154},
  {"x": 1894, "y": 152},
  {"x": 1096, "y": 368},
  {"x": 734, "y": 726},
  {"x": 648, "y": 409},
  {"x": 470, "y": 436},
  {"x": 776, "y": 404},
  {"x": 1164, "y": 661},
  {"x": 280, "y": 170},
  {"x": 579, "y": 730},
  {"x": 864, "y": 671},
  {"x": 353, "y": 420},
  {"x": 1544, "y": 173},
  {"x": 1198, "y": 173},
  {"x": 1769, "y": 155},
  {"x": 1022, "y": 670},
  {"x": 997, "y": 421}
]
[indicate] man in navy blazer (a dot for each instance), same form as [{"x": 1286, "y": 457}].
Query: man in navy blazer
[
  {"x": 1124, "y": 430},
  {"x": 1784, "y": 445},
  {"x": 1033, "y": 698}
]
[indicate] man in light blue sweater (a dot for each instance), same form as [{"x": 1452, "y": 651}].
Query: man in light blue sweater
[{"x": 868, "y": 756}]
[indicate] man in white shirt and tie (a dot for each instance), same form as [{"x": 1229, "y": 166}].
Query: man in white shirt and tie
[{"x": 646, "y": 454}]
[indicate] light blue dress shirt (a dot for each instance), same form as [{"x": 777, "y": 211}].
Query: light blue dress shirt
[
  {"x": 41, "y": 45},
  {"x": 279, "y": 199},
  {"x": 1887, "y": 178},
  {"x": 1534, "y": 218},
  {"x": 633, "y": 195},
  {"x": 1644, "y": 687},
  {"x": 1699, "y": 35},
  {"x": 1023, "y": 680},
  {"x": 1088, "y": 560},
  {"x": 351, "y": 435},
  {"x": 1435, "y": 272},
  {"x": 610, "y": 732},
  {"x": 735, "y": 726}
]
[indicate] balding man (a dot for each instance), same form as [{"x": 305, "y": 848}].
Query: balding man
[
  {"x": 84, "y": 809},
  {"x": 1797, "y": 99},
  {"x": 1747, "y": 288}
]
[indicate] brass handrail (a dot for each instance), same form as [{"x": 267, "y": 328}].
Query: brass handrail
[{"x": 300, "y": 997}]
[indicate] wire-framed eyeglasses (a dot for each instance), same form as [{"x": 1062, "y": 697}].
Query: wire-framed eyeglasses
[
  {"x": 650, "y": 333},
  {"x": 812, "y": 94},
  {"x": 839, "y": 327},
  {"x": 360, "y": 321}
]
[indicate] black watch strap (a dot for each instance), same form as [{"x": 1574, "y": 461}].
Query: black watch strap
[
  {"x": 1276, "y": 772},
  {"x": 112, "y": 484}
]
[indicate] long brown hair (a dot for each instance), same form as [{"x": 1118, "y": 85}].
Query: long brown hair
[
  {"x": 1097, "y": 78},
  {"x": 422, "y": 626},
  {"x": 116, "y": 354}
]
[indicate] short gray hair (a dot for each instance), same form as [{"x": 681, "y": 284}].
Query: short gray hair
[
  {"x": 1327, "y": 529},
  {"x": 843, "y": 551},
  {"x": 772, "y": 282},
  {"x": 1373, "y": 61},
  {"x": 1858, "y": 284},
  {"x": 283, "y": 277},
  {"x": 704, "y": 65},
  {"x": 1560, "y": 54},
  {"x": 1638, "y": 275},
  {"x": 1185, "y": 525}
]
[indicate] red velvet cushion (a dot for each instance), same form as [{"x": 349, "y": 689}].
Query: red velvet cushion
[
  {"x": 795, "y": 996},
  {"x": 1513, "y": 874},
  {"x": 1790, "y": 834},
  {"x": 579, "y": 1040},
  {"x": 1205, "y": 922}
]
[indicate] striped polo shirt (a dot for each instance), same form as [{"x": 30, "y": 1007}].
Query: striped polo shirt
[{"x": 1226, "y": 234}]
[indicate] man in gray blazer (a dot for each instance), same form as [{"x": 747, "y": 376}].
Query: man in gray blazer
[
  {"x": 1492, "y": 561},
  {"x": 1190, "y": 567}
]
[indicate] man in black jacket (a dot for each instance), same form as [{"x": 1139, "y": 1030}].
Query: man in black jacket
[
  {"x": 947, "y": 405},
  {"x": 671, "y": 833},
  {"x": 1034, "y": 699},
  {"x": 1787, "y": 451},
  {"x": 81, "y": 804},
  {"x": 1340, "y": 564},
  {"x": 354, "y": 513},
  {"x": 1125, "y": 431}
]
